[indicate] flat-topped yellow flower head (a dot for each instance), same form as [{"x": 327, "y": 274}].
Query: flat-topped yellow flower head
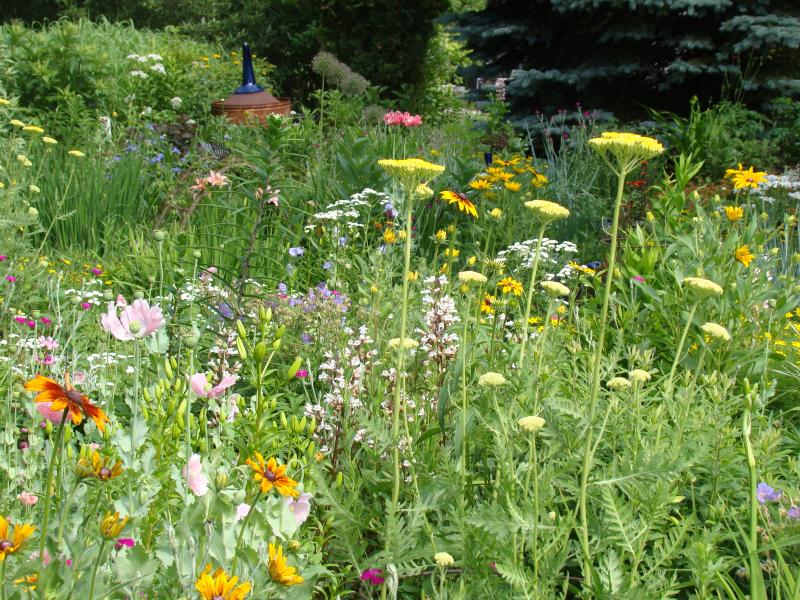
[
  {"x": 546, "y": 210},
  {"x": 626, "y": 147},
  {"x": 411, "y": 169}
]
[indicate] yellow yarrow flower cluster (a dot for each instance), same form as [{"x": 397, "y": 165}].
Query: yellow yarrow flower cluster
[
  {"x": 626, "y": 147},
  {"x": 554, "y": 289},
  {"x": 546, "y": 210},
  {"x": 716, "y": 331},
  {"x": 702, "y": 287},
  {"x": 411, "y": 168}
]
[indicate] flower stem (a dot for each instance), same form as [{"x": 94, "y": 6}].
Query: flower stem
[
  {"x": 588, "y": 450},
  {"x": 464, "y": 403},
  {"x": 3, "y": 580},
  {"x": 531, "y": 285},
  {"x": 94, "y": 569},
  {"x": 53, "y": 459},
  {"x": 679, "y": 351},
  {"x": 241, "y": 532}
]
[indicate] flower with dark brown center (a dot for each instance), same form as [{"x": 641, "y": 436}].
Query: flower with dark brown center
[
  {"x": 270, "y": 475},
  {"x": 66, "y": 398}
]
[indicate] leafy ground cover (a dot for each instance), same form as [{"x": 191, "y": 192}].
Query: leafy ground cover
[{"x": 349, "y": 354}]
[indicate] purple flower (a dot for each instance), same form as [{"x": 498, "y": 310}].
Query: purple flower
[
  {"x": 301, "y": 374},
  {"x": 282, "y": 288},
  {"x": 306, "y": 338},
  {"x": 327, "y": 265},
  {"x": 157, "y": 158},
  {"x": 373, "y": 576},
  {"x": 296, "y": 251},
  {"x": 343, "y": 240},
  {"x": 765, "y": 493},
  {"x": 97, "y": 271},
  {"x": 793, "y": 513}
]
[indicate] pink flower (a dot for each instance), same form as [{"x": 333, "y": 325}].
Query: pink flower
[
  {"x": 301, "y": 374},
  {"x": 48, "y": 360},
  {"x": 54, "y": 416},
  {"x": 216, "y": 179},
  {"x": 300, "y": 507},
  {"x": 27, "y": 498},
  {"x": 395, "y": 117},
  {"x": 242, "y": 511},
  {"x": 78, "y": 377},
  {"x": 199, "y": 185},
  {"x": 127, "y": 542},
  {"x": 3, "y": 258},
  {"x": 46, "y": 558},
  {"x": 21, "y": 320},
  {"x": 638, "y": 278},
  {"x": 412, "y": 121},
  {"x": 45, "y": 321},
  {"x": 11, "y": 278},
  {"x": 97, "y": 271},
  {"x": 195, "y": 479},
  {"x": 121, "y": 302},
  {"x": 31, "y": 324},
  {"x": 373, "y": 576},
  {"x": 201, "y": 386},
  {"x": 47, "y": 342},
  {"x": 136, "y": 321},
  {"x": 86, "y": 306}
]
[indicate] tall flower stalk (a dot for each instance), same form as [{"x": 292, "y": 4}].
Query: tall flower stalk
[
  {"x": 410, "y": 173},
  {"x": 622, "y": 152}
]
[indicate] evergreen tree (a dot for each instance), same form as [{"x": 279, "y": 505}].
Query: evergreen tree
[{"x": 624, "y": 54}]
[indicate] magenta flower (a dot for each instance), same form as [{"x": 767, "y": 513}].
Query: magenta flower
[
  {"x": 45, "y": 321},
  {"x": 195, "y": 479},
  {"x": 127, "y": 542},
  {"x": 395, "y": 117},
  {"x": 86, "y": 306},
  {"x": 300, "y": 507},
  {"x": 31, "y": 324},
  {"x": 301, "y": 374},
  {"x": 373, "y": 576},
  {"x": 638, "y": 278},
  {"x": 97, "y": 271},
  {"x": 22, "y": 320},
  {"x": 201, "y": 386},
  {"x": 136, "y": 321},
  {"x": 11, "y": 279},
  {"x": 3, "y": 258}
]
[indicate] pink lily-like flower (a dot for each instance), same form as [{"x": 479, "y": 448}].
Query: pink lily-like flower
[
  {"x": 201, "y": 386},
  {"x": 195, "y": 479},
  {"x": 216, "y": 179},
  {"x": 136, "y": 321}
]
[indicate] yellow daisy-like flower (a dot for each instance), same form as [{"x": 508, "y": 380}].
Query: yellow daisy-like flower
[
  {"x": 626, "y": 147},
  {"x": 270, "y": 475},
  {"x": 76, "y": 153},
  {"x": 411, "y": 168},
  {"x": 28, "y": 583},
  {"x": 509, "y": 285},
  {"x": 734, "y": 213},
  {"x": 4, "y": 102},
  {"x": 12, "y": 541},
  {"x": 504, "y": 176},
  {"x": 99, "y": 466},
  {"x": 389, "y": 236},
  {"x": 441, "y": 235},
  {"x": 219, "y": 586},
  {"x": 279, "y": 569},
  {"x": 539, "y": 180},
  {"x": 512, "y": 186},
  {"x": 745, "y": 178},
  {"x": 580, "y": 268},
  {"x": 496, "y": 213},
  {"x": 480, "y": 184},
  {"x": 743, "y": 255},
  {"x": 472, "y": 260},
  {"x": 464, "y": 204},
  {"x": 112, "y": 525},
  {"x": 546, "y": 210},
  {"x": 487, "y": 304},
  {"x": 413, "y": 275},
  {"x": 451, "y": 252}
]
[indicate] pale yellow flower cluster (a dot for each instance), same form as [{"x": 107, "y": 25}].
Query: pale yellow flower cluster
[
  {"x": 471, "y": 277},
  {"x": 546, "y": 210},
  {"x": 702, "y": 287},
  {"x": 626, "y": 146},
  {"x": 531, "y": 424},
  {"x": 415, "y": 168},
  {"x": 716, "y": 331},
  {"x": 491, "y": 379},
  {"x": 554, "y": 289}
]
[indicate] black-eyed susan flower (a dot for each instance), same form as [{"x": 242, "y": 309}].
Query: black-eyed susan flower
[
  {"x": 219, "y": 586},
  {"x": 745, "y": 178},
  {"x": 509, "y": 285},
  {"x": 270, "y": 475},
  {"x": 12, "y": 541},
  {"x": 99, "y": 466},
  {"x": 487, "y": 304},
  {"x": 743, "y": 255},
  {"x": 480, "y": 184},
  {"x": 734, "y": 213},
  {"x": 67, "y": 397},
  {"x": 512, "y": 186},
  {"x": 464, "y": 204},
  {"x": 279, "y": 569},
  {"x": 112, "y": 525}
]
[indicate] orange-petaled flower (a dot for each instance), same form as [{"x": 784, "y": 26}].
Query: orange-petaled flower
[
  {"x": 509, "y": 285},
  {"x": 219, "y": 586},
  {"x": 465, "y": 205},
  {"x": 28, "y": 583},
  {"x": 745, "y": 178},
  {"x": 734, "y": 213},
  {"x": 743, "y": 255},
  {"x": 99, "y": 466},
  {"x": 279, "y": 570},
  {"x": 272, "y": 475},
  {"x": 12, "y": 541},
  {"x": 487, "y": 304},
  {"x": 66, "y": 397}
]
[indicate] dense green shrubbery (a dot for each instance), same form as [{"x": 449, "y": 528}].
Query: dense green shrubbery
[{"x": 655, "y": 53}]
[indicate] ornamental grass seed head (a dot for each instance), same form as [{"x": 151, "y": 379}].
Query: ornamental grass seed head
[
  {"x": 547, "y": 211},
  {"x": 702, "y": 288}
]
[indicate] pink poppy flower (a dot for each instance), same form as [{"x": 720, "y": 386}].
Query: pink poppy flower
[
  {"x": 242, "y": 511},
  {"x": 27, "y": 498},
  {"x": 121, "y": 302},
  {"x": 136, "y": 321},
  {"x": 54, "y": 416},
  {"x": 195, "y": 479},
  {"x": 201, "y": 386},
  {"x": 300, "y": 507}
]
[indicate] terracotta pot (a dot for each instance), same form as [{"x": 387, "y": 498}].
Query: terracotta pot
[{"x": 240, "y": 108}]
